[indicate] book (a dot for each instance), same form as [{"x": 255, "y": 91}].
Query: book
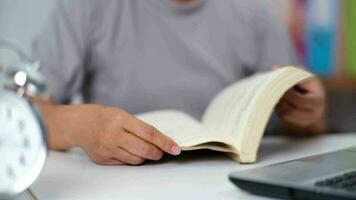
[{"x": 235, "y": 119}]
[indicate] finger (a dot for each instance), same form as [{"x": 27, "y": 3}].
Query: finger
[
  {"x": 299, "y": 100},
  {"x": 126, "y": 157},
  {"x": 290, "y": 114},
  {"x": 312, "y": 85},
  {"x": 105, "y": 160},
  {"x": 151, "y": 135},
  {"x": 283, "y": 109},
  {"x": 303, "y": 87},
  {"x": 114, "y": 162},
  {"x": 139, "y": 147}
]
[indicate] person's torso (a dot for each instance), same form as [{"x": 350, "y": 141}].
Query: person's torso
[{"x": 147, "y": 55}]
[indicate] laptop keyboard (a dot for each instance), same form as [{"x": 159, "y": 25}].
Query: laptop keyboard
[{"x": 345, "y": 181}]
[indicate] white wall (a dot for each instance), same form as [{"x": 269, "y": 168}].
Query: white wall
[{"x": 20, "y": 21}]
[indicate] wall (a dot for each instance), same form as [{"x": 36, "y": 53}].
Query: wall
[{"x": 20, "y": 21}]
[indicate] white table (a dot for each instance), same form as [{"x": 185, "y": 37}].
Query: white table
[{"x": 194, "y": 175}]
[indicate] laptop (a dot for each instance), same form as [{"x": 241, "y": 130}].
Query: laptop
[{"x": 330, "y": 176}]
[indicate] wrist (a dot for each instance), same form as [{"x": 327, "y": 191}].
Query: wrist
[{"x": 61, "y": 126}]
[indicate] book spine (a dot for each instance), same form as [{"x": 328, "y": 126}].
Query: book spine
[
  {"x": 350, "y": 37},
  {"x": 321, "y": 36}
]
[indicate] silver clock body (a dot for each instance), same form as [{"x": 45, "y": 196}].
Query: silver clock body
[{"x": 23, "y": 143}]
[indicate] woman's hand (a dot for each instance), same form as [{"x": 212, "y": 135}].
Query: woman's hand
[{"x": 110, "y": 136}]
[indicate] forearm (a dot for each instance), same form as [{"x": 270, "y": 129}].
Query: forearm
[
  {"x": 110, "y": 136},
  {"x": 64, "y": 124}
]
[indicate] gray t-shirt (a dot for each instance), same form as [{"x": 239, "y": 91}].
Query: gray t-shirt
[{"x": 143, "y": 55}]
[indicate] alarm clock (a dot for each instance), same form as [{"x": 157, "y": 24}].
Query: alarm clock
[
  {"x": 23, "y": 143},
  {"x": 23, "y": 136}
]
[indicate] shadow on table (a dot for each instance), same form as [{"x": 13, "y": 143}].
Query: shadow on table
[
  {"x": 269, "y": 148},
  {"x": 192, "y": 156}
]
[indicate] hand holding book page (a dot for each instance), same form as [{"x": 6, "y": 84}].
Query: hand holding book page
[{"x": 236, "y": 118}]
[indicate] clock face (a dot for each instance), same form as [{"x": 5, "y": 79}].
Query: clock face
[{"x": 22, "y": 144}]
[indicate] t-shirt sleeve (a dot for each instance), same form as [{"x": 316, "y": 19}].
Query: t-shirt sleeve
[
  {"x": 273, "y": 43},
  {"x": 61, "y": 48}
]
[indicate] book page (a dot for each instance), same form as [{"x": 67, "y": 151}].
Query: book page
[
  {"x": 243, "y": 109},
  {"x": 228, "y": 108},
  {"x": 250, "y": 131},
  {"x": 182, "y": 128}
]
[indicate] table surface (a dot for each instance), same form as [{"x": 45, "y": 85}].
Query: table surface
[{"x": 197, "y": 174}]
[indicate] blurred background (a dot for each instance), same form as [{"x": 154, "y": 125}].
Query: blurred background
[
  {"x": 20, "y": 22},
  {"x": 323, "y": 33}
]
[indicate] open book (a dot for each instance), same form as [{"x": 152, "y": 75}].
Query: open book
[{"x": 236, "y": 118}]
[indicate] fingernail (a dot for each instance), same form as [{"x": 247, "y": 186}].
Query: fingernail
[{"x": 175, "y": 150}]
